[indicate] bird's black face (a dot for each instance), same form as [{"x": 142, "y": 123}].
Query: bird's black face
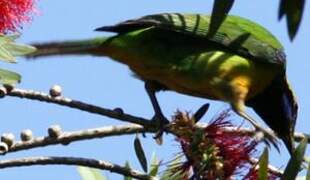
[
  {"x": 277, "y": 106},
  {"x": 289, "y": 106}
]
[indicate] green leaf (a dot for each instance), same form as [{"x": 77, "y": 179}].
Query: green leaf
[
  {"x": 9, "y": 49},
  {"x": 201, "y": 112},
  {"x": 263, "y": 165},
  {"x": 294, "y": 164},
  {"x": 308, "y": 172},
  {"x": 219, "y": 13},
  {"x": 154, "y": 165},
  {"x": 6, "y": 55},
  {"x": 140, "y": 153},
  {"x": 301, "y": 178},
  {"x": 87, "y": 173},
  {"x": 13, "y": 37},
  {"x": 170, "y": 173},
  {"x": 127, "y": 165},
  {"x": 9, "y": 77},
  {"x": 19, "y": 49},
  {"x": 293, "y": 10},
  {"x": 282, "y": 9}
]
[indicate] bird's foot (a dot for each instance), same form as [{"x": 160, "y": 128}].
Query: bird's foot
[
  {"x": 262, "y": 134},
  {"x": 268, "y": 137},
  {"x": 161, "y": 121}
]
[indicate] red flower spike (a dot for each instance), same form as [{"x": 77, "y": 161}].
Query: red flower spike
[
  {"x": 235, "y": 149},
  {"x": 13, "y": 13},
  {"x": 214, "y": 152}
]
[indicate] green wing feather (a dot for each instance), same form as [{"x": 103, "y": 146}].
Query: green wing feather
[{"x": 237, "y": 34}]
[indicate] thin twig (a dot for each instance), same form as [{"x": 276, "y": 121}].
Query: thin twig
[
  {"x": 64, "y": 101},
  {"x": 99, "y": 164},
  {"x": 250, "y": 132},
  {"x": 67, "y": 137},
  {"x": 300, "y": 136},
  {"x": 271, "y": 168}
]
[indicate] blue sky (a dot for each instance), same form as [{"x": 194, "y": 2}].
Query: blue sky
[{"x": 105, "y": 83}]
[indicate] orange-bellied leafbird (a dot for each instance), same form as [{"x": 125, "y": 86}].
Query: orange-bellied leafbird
[{"x": 242, "y": 64}]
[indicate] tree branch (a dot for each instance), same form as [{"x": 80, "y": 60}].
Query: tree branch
[
  {"x": 67, "y": 137},
  {"x": 298, "y": 136},
  {"x": 271, "y": 168},
  {"x": 99, "y": 164},
  {"x": 63, "y": 101}
]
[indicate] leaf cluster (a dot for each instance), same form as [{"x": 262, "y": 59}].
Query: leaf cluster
[{"x": 292, "y": 10}]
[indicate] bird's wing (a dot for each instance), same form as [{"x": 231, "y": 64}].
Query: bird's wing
[{"x": 239, "y": 35}]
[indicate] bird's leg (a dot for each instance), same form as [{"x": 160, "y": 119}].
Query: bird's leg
[
  {"x": 239, "y": 90},
  {"x": 267, "y": 134},
  {"x": 158, "y": 118}
]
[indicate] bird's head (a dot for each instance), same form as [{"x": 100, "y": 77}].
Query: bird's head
[{"x": 277, "y": 106}]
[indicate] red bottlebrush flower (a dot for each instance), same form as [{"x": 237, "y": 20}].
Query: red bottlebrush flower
[
  {"x": 234, "y": 148},
  {"x": 13, "y": 13},
  {"x": 212, "y": 152}
]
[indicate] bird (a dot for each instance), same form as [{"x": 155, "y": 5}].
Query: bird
[{"x": 241, "y": 63}]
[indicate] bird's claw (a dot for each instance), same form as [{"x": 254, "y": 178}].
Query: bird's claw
[
  {"x": 161, "y": 121},
  {"x": 268, "y": 137}
]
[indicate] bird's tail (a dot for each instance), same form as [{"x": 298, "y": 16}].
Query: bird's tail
[{"x": 89, "y": 46}]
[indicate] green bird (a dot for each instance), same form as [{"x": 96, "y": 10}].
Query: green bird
[{"x": 242, "y": 64}]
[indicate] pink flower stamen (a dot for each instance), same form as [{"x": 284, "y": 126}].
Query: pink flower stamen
[
  {"x": 13, "y": 13},
  {"x": 212, "y": 152}
]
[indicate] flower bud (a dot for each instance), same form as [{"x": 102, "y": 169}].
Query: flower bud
[
  {"x": 8, "y": 87},
  {"x": 55, "y": 91},
  {"x": 54, "y": 131},
  {"x": 3, "y": 92},
  {"x": 8, "y": 138},
  {"x": 119, "y": 111},
  {"x": 26, "y": 135},
  {"x": 3, "y": 148}
]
